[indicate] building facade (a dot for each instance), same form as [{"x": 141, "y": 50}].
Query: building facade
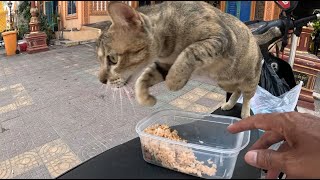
[
  {"x": 251, "y": 10},
  {"x": 71, "y": 17}
]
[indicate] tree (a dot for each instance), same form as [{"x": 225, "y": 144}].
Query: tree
[{"x": 24, "y": 17}]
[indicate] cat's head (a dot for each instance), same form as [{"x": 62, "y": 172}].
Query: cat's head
[{"x": 123, "y": 48}]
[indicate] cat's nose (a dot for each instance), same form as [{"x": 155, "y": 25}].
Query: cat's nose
[{"x": 103, "y": 81}]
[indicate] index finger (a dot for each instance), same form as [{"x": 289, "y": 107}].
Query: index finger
[{"x": 267, "y": 122}]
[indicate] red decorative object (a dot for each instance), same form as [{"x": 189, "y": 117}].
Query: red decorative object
[
  {"x": 36, "y": 40},
  {"x": 23, "y": 46}
]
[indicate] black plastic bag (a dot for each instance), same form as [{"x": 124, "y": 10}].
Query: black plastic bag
[{"x": 277, "y": 80}]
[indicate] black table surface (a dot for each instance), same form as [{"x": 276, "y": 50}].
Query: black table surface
[{"x": 125, "y": 161}]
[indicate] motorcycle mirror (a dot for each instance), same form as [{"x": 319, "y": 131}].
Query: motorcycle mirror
[
  {"x": 287, "y": 6},
  {"x": 316, "y": 11}
]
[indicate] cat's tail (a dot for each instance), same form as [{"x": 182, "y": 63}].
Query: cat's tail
[{"x": 268, "y": 36}]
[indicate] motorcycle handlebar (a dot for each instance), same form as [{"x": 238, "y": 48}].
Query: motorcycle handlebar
[
  {"x": 281, "y": 23},
  {"x": 303, "y": 21}
]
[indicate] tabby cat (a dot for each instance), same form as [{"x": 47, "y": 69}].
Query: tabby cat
[{"x": 171, "y": 41}]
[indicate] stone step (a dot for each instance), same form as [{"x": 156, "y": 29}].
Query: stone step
[
  {"x": 86, "y": 34},
  {"x": 88, "y": 28},
  {"x": 88, "y": 41},
  {"x": 68, "y": 43}
]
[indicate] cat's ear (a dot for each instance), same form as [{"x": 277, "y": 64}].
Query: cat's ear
[{"x": 123, "y": 15}]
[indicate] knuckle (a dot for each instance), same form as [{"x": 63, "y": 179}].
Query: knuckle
[
  {"x": 267, "y": 159},
  {"x": 271, "y": 161}
]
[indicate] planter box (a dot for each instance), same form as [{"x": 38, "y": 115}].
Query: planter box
[{"x": 37, "y": 42}]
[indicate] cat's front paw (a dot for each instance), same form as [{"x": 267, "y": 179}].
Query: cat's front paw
[
  {"x": 175, "y": 84},
  {"x": 226, "y": 106},
  {"x": 142, "y": 94},
  {"x": 146, "y": 100}
]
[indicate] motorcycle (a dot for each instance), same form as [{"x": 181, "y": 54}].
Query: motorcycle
[
  {"x": 277, "y": 75},
  {"x": 278, "y": 78}
]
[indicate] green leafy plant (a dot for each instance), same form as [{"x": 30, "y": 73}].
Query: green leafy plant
[
  {"x": 24, "y": 18},
  {"x": 316, "y": 26},
  {"x": 24, "y": 11},
  {"x": 46, "y": 27},
  {"x": 22, "y": 30},
  {"x": 316, "y": 29}
]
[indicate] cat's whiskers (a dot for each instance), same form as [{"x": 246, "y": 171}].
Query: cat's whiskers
[
  {"x": 114, "y": 91},
  {"x": 121, "y": 106},
  {"x": 101, "y": 87},
  {"x": 131, "y": 91},
  {"x": 131, "y": 101},
  {"x": 107, "y": 88}
]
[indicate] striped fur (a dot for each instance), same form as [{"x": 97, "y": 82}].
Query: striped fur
[{"x": 171, "y": 41}]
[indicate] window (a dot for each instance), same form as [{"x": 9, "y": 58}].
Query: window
[{"x": 72, "y": 8}]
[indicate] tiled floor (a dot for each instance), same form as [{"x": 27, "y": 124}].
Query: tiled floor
[
  {"x": 53, "y": 158},
  {"x": 55, "y": 114}
]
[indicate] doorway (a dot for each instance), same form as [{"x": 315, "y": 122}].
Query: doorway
[{"x": 52, "y": 13}]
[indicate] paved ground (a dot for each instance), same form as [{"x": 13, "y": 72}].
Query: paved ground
[{"x": 55, "y": 114}]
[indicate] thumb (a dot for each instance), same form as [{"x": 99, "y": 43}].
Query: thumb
[{"x": 265, "y": 159}]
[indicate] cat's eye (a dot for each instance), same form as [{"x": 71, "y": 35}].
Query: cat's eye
[
  {"x": 139, "y": 50},
  {"x": 112, "y": 60}
]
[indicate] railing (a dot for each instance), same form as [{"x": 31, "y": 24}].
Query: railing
[{"x": 100, "y": 7}]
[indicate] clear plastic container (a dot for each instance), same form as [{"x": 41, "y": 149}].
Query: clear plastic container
[{"x": 207, "y": 140}]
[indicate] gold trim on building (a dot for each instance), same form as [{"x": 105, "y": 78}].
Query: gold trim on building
[
  {"x": 85, "y": 12},
  {"x": 253, "y": 10},
  {"x": 223, "y": 6}
]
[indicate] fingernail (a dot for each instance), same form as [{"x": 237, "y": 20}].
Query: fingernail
[{"x": 251, "y": 157}]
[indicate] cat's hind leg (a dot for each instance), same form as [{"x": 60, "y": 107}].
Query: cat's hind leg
[
  {"x": 152, "y": 75},
  {"x": 245, "y": 111},
  {"x": 232, "y": 101}
]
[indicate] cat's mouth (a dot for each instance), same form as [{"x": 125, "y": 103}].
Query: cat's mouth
[{"x": 121, "y": 83}]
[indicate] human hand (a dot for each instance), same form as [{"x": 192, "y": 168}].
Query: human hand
[{"x": 297, "y": 157}]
